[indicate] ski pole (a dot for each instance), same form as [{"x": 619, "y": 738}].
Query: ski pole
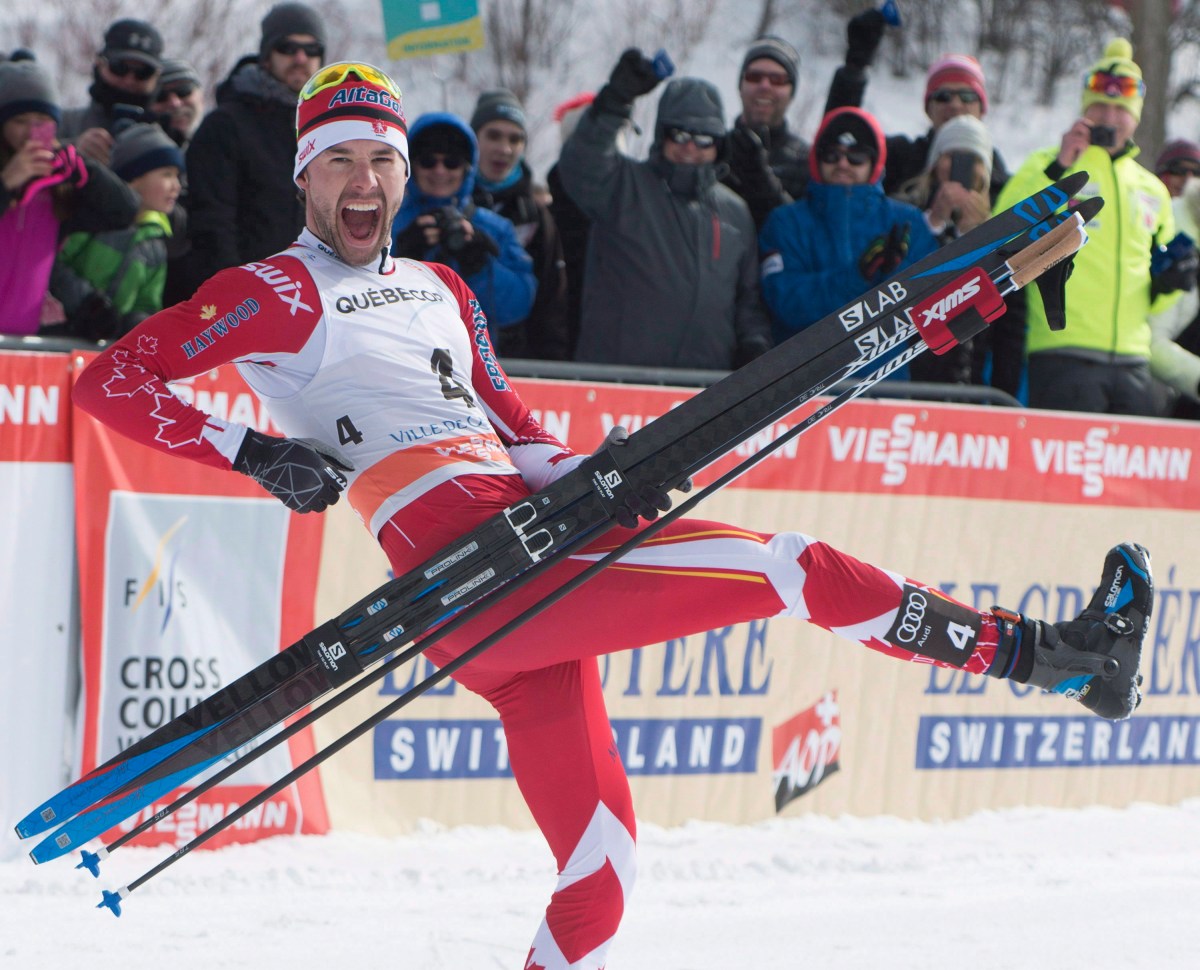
[{"x": 1063, "y": 245}]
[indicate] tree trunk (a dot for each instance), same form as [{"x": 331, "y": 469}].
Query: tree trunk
[{"x": 1151, "y": 50}]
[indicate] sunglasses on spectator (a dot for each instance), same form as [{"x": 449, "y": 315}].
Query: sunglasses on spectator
[
  {"x": 946, "y": 95},
  {"x": 451, "y": 163},
  {"x": 1182, "y": 168},
  {"x": 1115, "y": 85},
  {"x": 855, "y": 156},
  {"x": 290, "y": 48},
  {"x": 775, "y": 80},
  {"x": 181, "y": 90},
  {"x": 682, "y": 137},
  {"x": 139, "y": 69}
]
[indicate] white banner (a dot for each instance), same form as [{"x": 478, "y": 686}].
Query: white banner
[{"x": 38, "y": 671}]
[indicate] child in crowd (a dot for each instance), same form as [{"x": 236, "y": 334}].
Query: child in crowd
[{"x": 109, "y": 282}]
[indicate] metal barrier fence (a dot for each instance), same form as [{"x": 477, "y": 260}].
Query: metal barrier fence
[{"x": 619, "y": 374}]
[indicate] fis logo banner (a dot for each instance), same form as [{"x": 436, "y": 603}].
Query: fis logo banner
[{"x": 806, "y": 750}]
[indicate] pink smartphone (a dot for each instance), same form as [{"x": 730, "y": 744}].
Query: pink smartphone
[{"x": 44, "y": 132}]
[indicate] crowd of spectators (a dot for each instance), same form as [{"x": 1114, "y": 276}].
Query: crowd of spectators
[{"x": 724, "y": 241}]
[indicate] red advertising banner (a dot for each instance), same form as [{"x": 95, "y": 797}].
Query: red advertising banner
[
  {"x": 923, "y": 449},
  {"x": 34, "y": 408},
  {"x": 189, "y": 576}
]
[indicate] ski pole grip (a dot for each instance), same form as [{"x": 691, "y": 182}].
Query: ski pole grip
[{"x": 1061, "y": 242}]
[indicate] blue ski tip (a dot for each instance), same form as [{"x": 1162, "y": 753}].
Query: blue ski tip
[
  {"x": 111, "y": 901},
  {"x": 91, "y": 862}
]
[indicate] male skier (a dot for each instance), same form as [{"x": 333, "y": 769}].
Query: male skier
[{"x": 390, "y": 359}]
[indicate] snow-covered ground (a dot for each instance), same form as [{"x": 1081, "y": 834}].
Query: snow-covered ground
[{"x": 1090, "y": 889}]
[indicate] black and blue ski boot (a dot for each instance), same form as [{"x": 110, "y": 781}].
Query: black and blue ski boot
[{"x": 1094, "y": 657}]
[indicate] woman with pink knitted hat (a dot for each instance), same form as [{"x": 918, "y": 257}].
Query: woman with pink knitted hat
[{"x": 954, "y": 86}]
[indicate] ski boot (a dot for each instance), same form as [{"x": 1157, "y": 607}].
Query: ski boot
[{"x": 1094, "y": 657}]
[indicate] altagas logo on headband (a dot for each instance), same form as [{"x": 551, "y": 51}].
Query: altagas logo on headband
[{"x": 366, "y": 95}]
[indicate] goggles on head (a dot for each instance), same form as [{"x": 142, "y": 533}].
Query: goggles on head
[
  {"x": 335, "y": 74},
  {"x": 1115, "y": 85}
]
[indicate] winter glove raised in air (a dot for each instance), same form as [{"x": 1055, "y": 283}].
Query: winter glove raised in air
[
  {"x": 864, "y": 32},
  {"x": 304, "y": 474},
  {"x": 634, "y": 75}
]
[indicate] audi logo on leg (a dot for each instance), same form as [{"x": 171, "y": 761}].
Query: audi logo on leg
[{"x": 914, "y": 617}]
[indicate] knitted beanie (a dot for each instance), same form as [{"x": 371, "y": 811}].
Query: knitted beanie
[
  {"x": 141, "y": 148},
  {"x": 27, "y": 86},
  {"x": 778, "y": 50},
  {"x": 175, "y": 71},
  {"x": 1174, "y": 152},
  {"x": 963, "y": 133},
  {"x": 1115, "y": 79},
  {"x": 350, "y": 109},
  {"x": 285, "y": 19},
  {"x": 957, "y": 70},
  {"x": 497, "y": 105}
]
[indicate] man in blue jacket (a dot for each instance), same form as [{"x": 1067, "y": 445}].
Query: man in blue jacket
[
  {"x": 845, "y": 235},
  {"x": 439, "y": 223}
]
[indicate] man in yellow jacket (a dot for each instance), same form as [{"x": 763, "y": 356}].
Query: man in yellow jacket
[{"x": 1100, "y": 362}]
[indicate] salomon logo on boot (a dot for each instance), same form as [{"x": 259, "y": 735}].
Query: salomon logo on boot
[{"x": 1094, "y": 657}]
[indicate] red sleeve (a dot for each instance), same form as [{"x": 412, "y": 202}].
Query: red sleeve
[{"x": 247, "y": 312}]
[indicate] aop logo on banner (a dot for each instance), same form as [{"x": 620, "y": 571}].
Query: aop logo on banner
[{"x": 806, "y": 750}]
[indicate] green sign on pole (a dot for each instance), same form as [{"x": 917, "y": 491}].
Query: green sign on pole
[{"x": 418, "y": 28}]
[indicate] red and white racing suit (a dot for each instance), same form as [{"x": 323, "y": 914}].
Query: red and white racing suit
[{"x": 392, "y": 365}]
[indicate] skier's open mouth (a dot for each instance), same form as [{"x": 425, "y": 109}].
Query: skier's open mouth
[{"x": 361, "y": 220}]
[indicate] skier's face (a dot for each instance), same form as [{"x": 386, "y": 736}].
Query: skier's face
[
  {"x": 353, "y": 191},
  {"x": 766, "y": 91}
]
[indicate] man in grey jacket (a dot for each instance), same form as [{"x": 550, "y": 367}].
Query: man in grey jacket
[{"x": 672, "y": 267}]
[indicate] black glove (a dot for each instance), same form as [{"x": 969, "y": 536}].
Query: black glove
[
  {"x": 750, "y": 164},
  {"x": 473, "y": 254},
  {"x": 1174, "y": 266},
  {"x": 304, "y": 474},
  {"x": 645, "y": 501},
  {"x": 450, "y": 223},
  {"x": 95, "y": 318},
  {"x": 864, "y": 32},
  {"x": 633, "y": 76},
  {"x": 885, "y": 254},
  {"x": 410, "y": 242}
]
